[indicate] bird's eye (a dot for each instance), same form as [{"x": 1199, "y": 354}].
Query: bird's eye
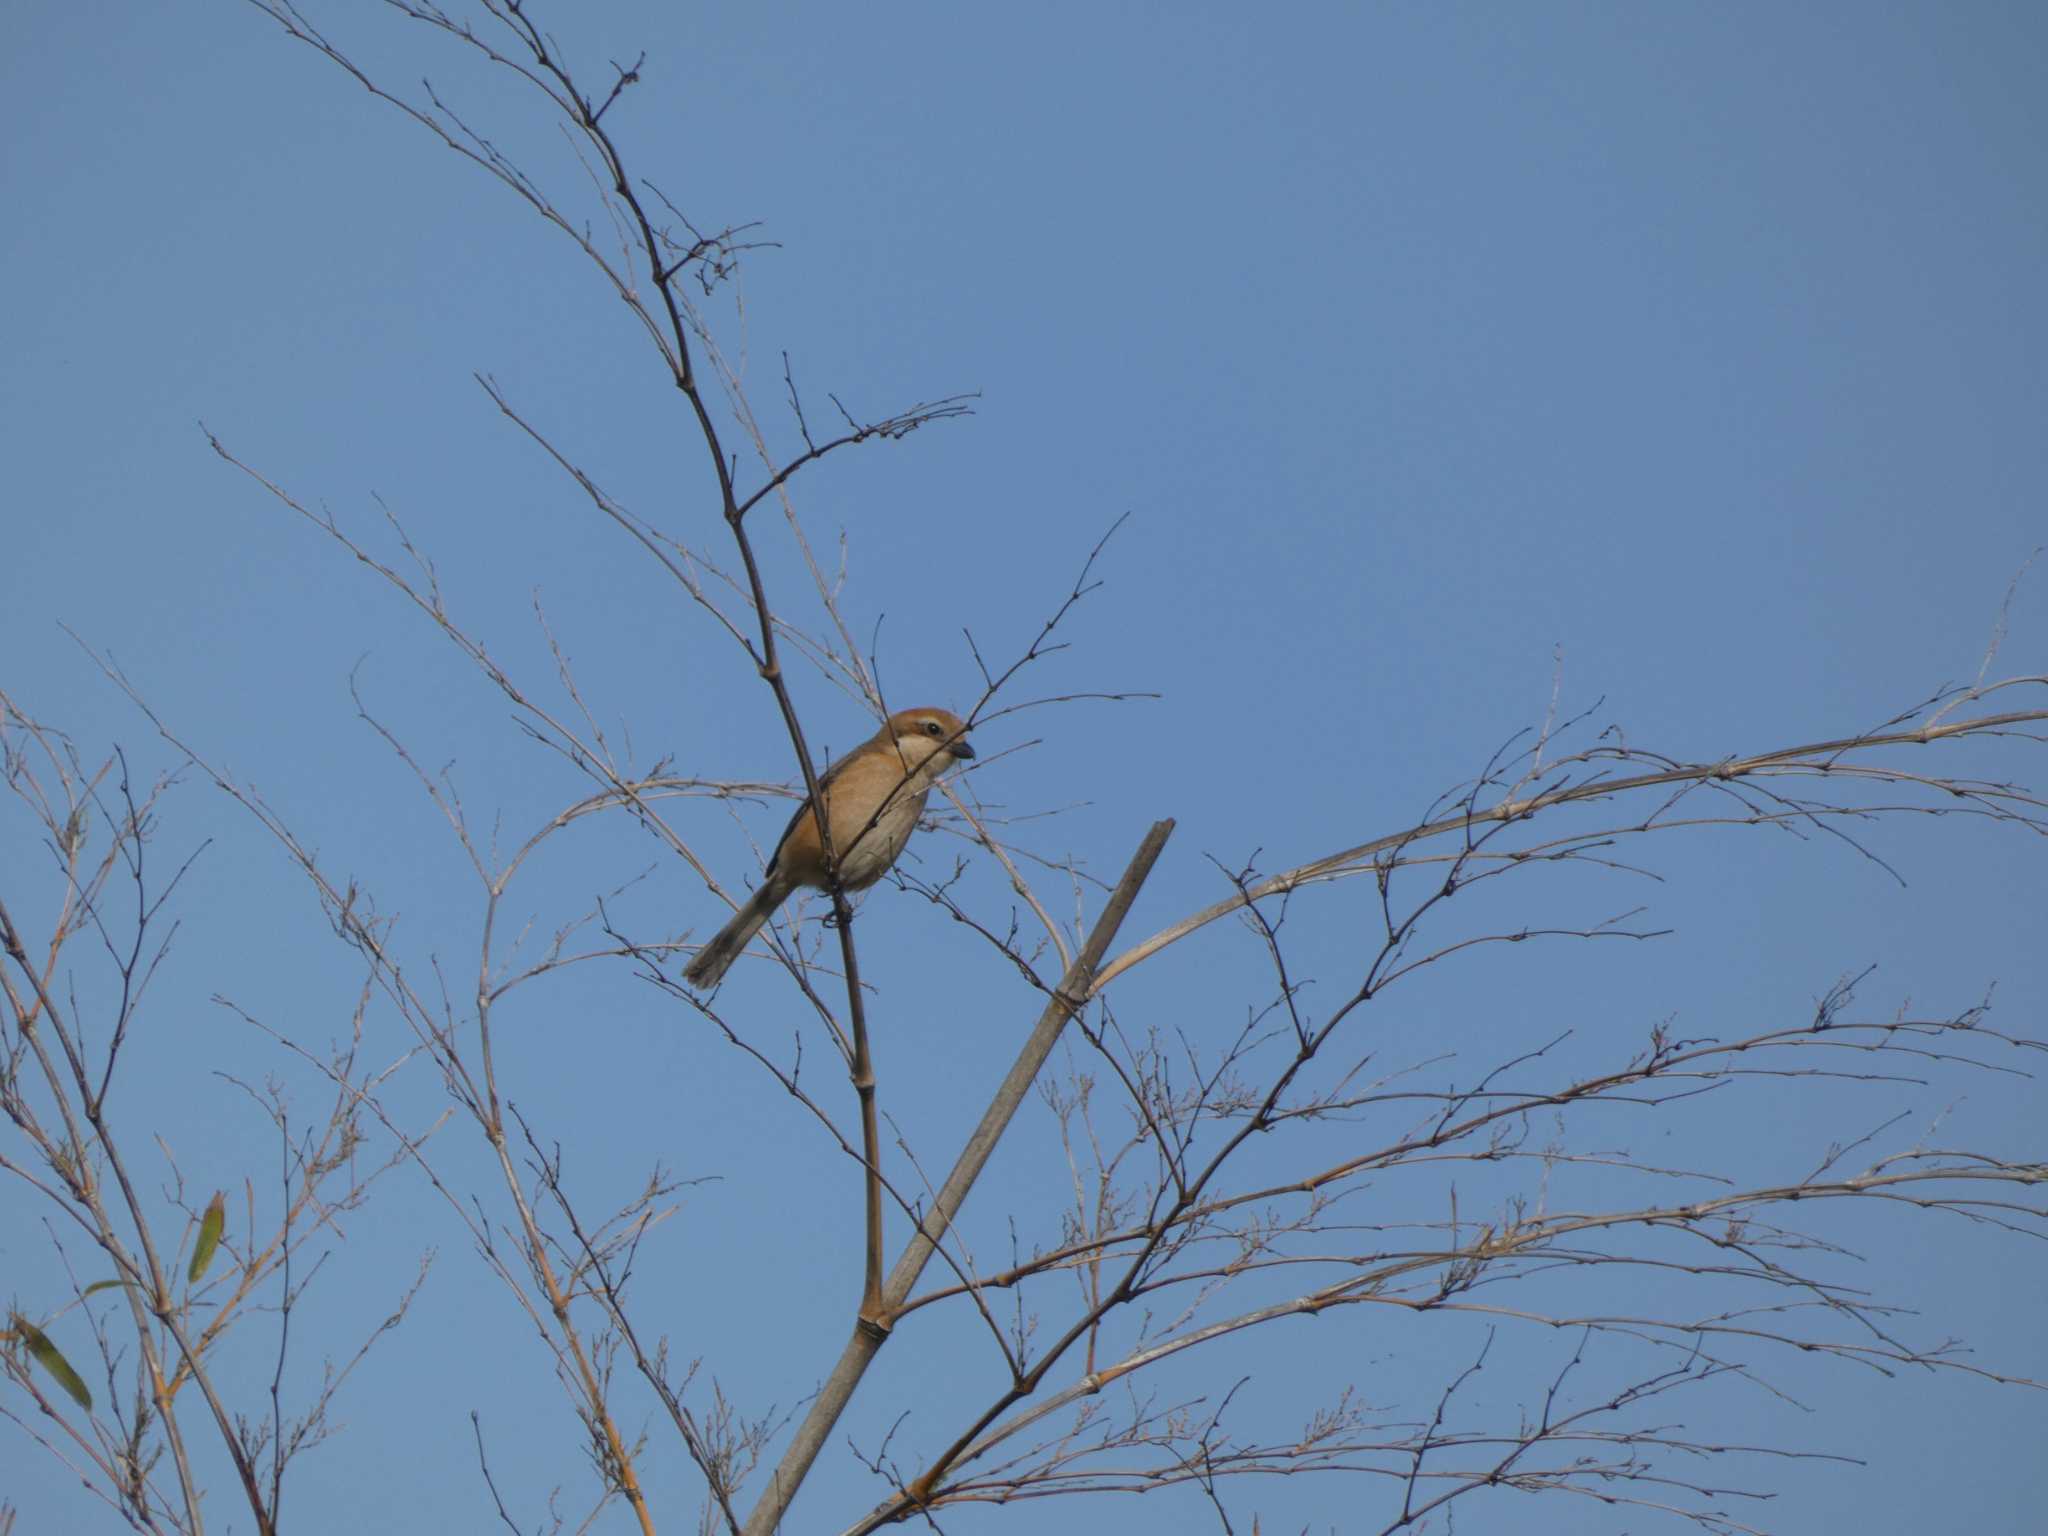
[{"x": 931, "y": 727}]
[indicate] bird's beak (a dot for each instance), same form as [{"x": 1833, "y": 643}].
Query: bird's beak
[{"x": 961, "y": 748}]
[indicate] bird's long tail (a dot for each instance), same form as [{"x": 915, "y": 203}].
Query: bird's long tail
[{"x": 716, "y": 957}]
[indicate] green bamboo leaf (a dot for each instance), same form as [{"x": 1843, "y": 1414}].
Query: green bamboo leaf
[
  {"x": 103, "y": 1285},
  {"x": 51, "y": 1359},
  {"x": 209, "y": 1237}
]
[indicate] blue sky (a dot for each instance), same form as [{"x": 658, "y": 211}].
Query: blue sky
[{"x": 1700, "y": 347}]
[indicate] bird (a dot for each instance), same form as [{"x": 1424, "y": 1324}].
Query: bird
[{"x": 874, "y": 797}]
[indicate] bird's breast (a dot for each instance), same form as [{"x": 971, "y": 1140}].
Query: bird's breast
[{"x": 873, "y": 851}]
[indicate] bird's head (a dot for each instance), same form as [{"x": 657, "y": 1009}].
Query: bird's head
[{"x": 932, "y": 739}]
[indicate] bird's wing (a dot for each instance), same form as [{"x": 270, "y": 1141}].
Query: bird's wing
[{"x": 804, "y": 810}]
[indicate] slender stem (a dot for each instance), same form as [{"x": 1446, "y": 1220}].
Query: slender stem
[
  {"x": 1351, "y": 860},
  {"x": 863, "y": 1075}
]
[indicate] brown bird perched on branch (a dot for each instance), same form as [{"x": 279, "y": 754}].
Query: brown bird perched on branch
[{"x": 874, "y": 797}]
